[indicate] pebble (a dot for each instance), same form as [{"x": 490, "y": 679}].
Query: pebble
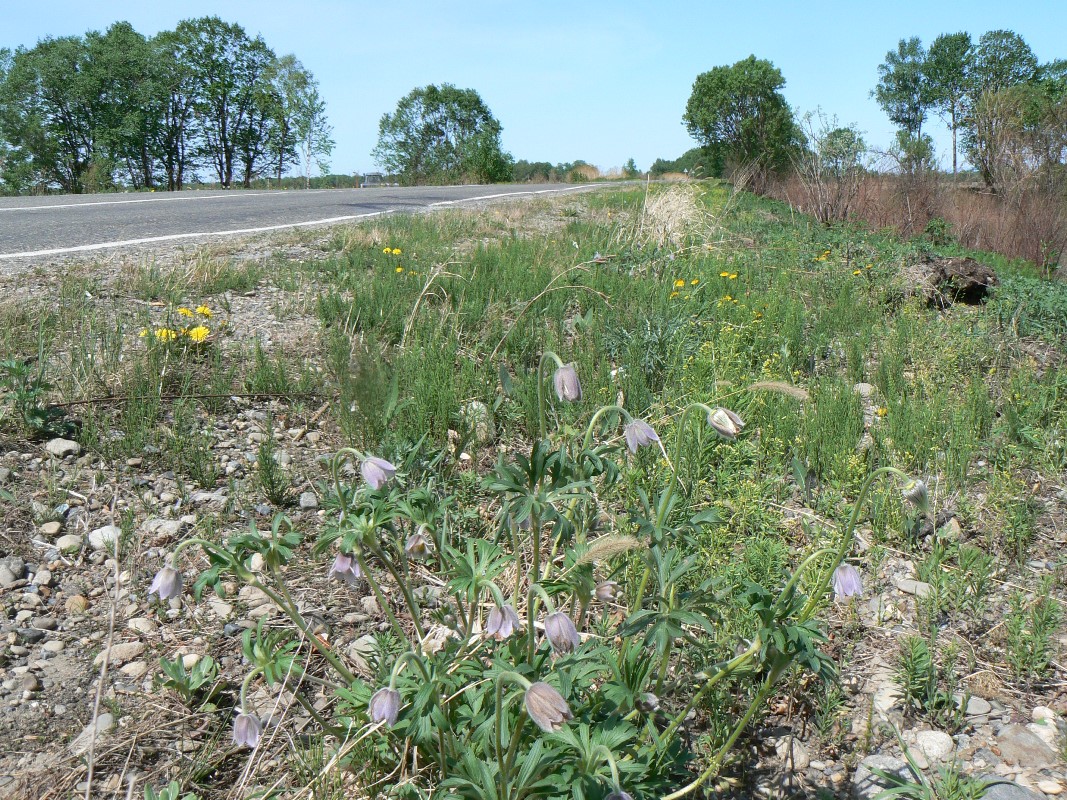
[
  {"x": 142, "y": 625},
  {"x": 61, "y": 448},
  {"x": 910, "y": 586},
  {"x": 53, "y": 646},
  {"x": 69, "y": 544},
  {"x": 105, "y": 538},
  {"x": 51, "y": 529},
  {"x": 76, "y": 604},
  {"x": 81, "y": 743},
  {"x": 866, "y": 785},
  {"x": 119, "y": 654},
  {"x": 135, "y": 669},
  {"x": 308, "y": 501}
]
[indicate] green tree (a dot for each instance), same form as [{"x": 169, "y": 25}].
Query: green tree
[
  {"x": 903, "y": 91},
  {"x": 234, "y": 101},
  {"x": 441, "y": 135},
  {"x": 313, "y": 132},
  {"x": 51, "y": 112},
  {"x": 739, "y": 114},
  {"x": 630, "y": 169},
  {"x": 947, "y": 70},
  {"x": 1002, "y": 62},
  {"x": 176, "y": 97}
]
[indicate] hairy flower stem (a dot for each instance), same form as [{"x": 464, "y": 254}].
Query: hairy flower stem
[
  {"x": 606, "y": 756},
  {"x": 723, "y": 671},
  {"x": 664, "y": 663},
  {"x": 588, "y": 440},
  {"x": 327, "y": 728},
  {"x": 716, "y": 761},
  {"x": 413, "y": 607},
  {"x": 335, "y": 473},
  {"x": 379, "y": 596},
  {"x": 546, "y": 356},
  {"x": 502, "y": 760},
  {"x": 285, "y": 602},
  {"x": 665, "y": 498},
  {"x": 846, "y": 540},
  {"x": 533, "y": 594}
]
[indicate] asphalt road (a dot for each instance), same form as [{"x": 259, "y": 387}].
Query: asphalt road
[{"x": 46, "y": 226}]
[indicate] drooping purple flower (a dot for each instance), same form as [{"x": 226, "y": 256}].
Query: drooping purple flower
[
  {"x": 847, "y": 582},
  {"x": 345, "y": 568},
  {"x": 384, "y": 706},
  {"x": 417, "y": 546},
  {"x": 546, "y": 707},
  {"x": 639, "y": 434},
  {"x": 503, "y": 622},
  {"x": 647, "y": 703},
  {"x": 566, "y": 383},
  {"x": 377, "y": 471},
  {"x": 725, "y": 422},
  {"x": 167, "y": 583},
  {"x": 608, "y": 592},
  {"x": 561, "y": 633},
  {"x": 247, "y": 730},
  {"x": 619, "y": 794}
]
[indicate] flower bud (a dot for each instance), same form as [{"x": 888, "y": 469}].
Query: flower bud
[
  {"x": 639, "y": 434},
  {"x": 503, "y": 622},
  {"x": 546, "y": 707},
  {"x": 566, "y": 383},
  {"x": 847, "y": 582},
  {"x": 561, "y": 633},
  {"x": 417, "y": 546},
  {"x": 916, "y": 493},
  {"x": 619, "y": 794},
  {"x": 725, "y": 422},
  {"x": 345, "y": 568},
  {"x": 377, "y": 471},
  {"x": 384, "y": 706},
  {"x": 167, "y": 583},
  {"x": 608, "y": 592},
  {"x": 247, "y": 730}
]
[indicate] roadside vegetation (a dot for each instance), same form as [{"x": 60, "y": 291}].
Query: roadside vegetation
[{"x": 597, "y": 493}]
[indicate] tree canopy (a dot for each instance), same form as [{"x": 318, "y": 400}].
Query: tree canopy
[
  {"x": 90, "y": 113},
  {"x": 440, "y": 134},
  {"x": 739, "y": 115}
]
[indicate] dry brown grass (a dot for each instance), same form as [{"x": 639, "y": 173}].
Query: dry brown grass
[{"x": 672, "y": 216}]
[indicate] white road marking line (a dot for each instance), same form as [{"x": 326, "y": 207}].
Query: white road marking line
[
  {"x": 506, "y": 194},
  {"x": 161, "y": 198},
  {"x": 237, "y": 232},
  {"x": 170, "y": 237}
]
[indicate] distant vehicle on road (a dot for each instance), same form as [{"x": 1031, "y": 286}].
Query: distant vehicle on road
[{"x": 372, "y": 179}]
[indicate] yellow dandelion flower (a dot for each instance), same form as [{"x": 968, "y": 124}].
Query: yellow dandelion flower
[
  {"x": 687, "y": 297},
  {"x": 185, "y": 312},
  {"x": 203, "y": 311},
  {"x": 672, "y": 295},
  {"x": 733, "y": 276},
  {"x": 165, "y": 334},
  {"x": 143, "y": 332},
  {"x": 199, "y": 333},
  {"x": 881, "y": 411},
  {"x": 694, "y": 282},
  {"x": 857, "y": 272},
  {"x": 396, "y": 251},
  {"x": 724, "y": 274},
  {"x": 727, "y": 297},
  {"x": 678, "y": 284},
  {"x": 399, "y": 270},
  {"x": 387, "y": 250},
  {"x": 869, "y": 266}
]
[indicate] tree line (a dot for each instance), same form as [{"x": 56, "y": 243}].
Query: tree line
[{"x": 89, "y": 113}]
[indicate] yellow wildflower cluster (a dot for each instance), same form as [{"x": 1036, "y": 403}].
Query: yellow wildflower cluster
[
  {"x": 392, "y": 251},
  {"x": 728, "y": 275},
  {"x": 822, "y": 256},
  {"x": 197, "y": 334}
]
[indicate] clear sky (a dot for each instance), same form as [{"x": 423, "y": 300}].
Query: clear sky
[{"x": 600, "y": 81}]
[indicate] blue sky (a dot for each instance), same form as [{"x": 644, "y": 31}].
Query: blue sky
[{"x": 600, "y": 81}]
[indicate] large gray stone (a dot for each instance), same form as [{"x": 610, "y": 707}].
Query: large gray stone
[
  {"x": 866, "y": 784},
  {"x": 1008, "y": 791},
  {"x": 60, "y": 448},
  {"x": 1024, "y": 748},
  {"x": 105, "y": 538}
]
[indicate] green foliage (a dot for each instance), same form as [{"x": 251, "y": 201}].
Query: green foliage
[
  {"x": 739, "y": 114},
  {"x": 903, "y": 90},
  {"x": 441, "y": 134},
  {"x": 197, "y": 687},
  {"x": 1031, "y": 624},
  {"x": 92, "y": 113},
  {"x": 172, "y": 791},
  {"x": 25, "y": 390}
]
